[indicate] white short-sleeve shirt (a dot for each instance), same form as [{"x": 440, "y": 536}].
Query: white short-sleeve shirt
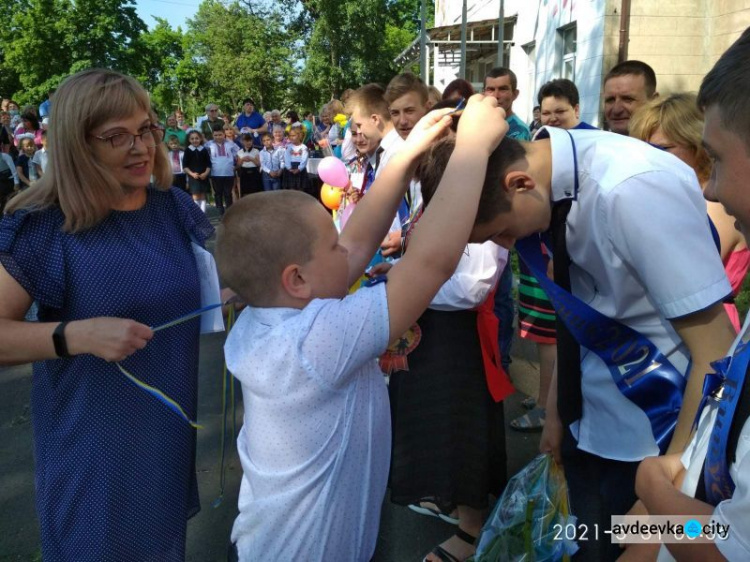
[
  {"x": 642, "y": 253},
  {"x": 391, "y": 144},
  {"x": 316, "y": 439},
  {"x": 735, "y": 511},
  {"x": 475, "y": 276}
]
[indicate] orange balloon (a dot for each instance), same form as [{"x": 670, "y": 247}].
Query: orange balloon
[{"x": 331, "y": 196}]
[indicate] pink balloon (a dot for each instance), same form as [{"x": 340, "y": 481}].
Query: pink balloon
[{"x": 333, "y": 172}]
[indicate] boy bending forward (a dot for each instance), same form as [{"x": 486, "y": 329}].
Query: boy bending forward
[{"x": 315, "y": 444}]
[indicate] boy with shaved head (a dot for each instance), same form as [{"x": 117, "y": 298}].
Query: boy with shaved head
[{"x": 315, "y": 445}]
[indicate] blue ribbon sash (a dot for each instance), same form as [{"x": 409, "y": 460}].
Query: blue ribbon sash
[
  {"x": 641, "y": 372},
  {"x": 729, "y": 378}
]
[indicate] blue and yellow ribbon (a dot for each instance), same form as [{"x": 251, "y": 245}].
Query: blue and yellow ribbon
[
  {"x": 155, "y": 392},
  {"x": 159, "y": 395}
]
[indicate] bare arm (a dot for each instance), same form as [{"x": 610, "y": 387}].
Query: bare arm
[
  {"x": 112, "y": 339},
  {"x": 731, "y": 239},
  {"x": 656, "y": 485},
  {"x": 708, "y": 335},
  {"x": 433, "y": 256},
  {"x": 553, "y": 430}
]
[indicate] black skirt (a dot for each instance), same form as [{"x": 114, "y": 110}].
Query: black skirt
[
  {"x": 250, "y": 181},
  {"x": 448, "y": 433},
  {"x": 297, "y": 182},
  {"x": 198, "y": 187}
]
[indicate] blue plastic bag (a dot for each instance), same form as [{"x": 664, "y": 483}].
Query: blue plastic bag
[{"x": 529, "y": 520}]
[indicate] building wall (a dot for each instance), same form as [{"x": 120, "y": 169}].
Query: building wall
[
  {"x": 541, "y": 22},
  {"x": 536, "y": 21},
  {"x": 680, "y": 39},
  {"x": 673, "y": 38},
  {"x": 448, "y": 12}
]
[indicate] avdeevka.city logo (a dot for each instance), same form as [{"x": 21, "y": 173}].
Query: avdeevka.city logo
[
  {"x": 631, "y": 529},
  {"x": 693, "y": 528}
]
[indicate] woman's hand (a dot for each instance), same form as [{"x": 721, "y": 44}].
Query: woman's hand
[{"x": 112, "y": 339}]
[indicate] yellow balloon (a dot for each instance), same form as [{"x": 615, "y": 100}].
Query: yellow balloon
[{"x": 331, "y": 196}]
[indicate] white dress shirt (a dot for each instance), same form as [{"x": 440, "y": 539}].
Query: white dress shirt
[
  {"x": 735, "y": 511},
  {"x": 252, "y": 152},
  {"x": 474, "y": 278},
  {"x": 316, "y": 440},
  {"x": 271, "y": 160},
  {"x": 222, "y": 165},
  {"x": 391, "y": 144},
  {"x": 642, "y": 253}
]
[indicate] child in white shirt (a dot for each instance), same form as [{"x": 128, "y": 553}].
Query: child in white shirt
[
  {"x": 223, "y": 154},
  {"x": 175, "y": 155},
  {"x": 295, "y": 163},
  {"x": 315, "y": 445},
  {"x": 271, "y": 164},
  {"x": 248, "y": 166}
]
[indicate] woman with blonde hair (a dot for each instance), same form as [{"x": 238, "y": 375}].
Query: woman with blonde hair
[
  {"x": 107, "y": 256},
  {"x": 675, "y": 124}
]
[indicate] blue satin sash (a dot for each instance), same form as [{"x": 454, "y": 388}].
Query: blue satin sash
[
  {"x": 725, "y": 385},
  {"x": 641, "y": 372}
]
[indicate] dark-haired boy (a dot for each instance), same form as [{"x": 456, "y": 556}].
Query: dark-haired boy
[
  {"x": 315, "y": 445},
  {"x": 670, "y": 485},
  {"x": 223, "y": 153},
  {"x": 627, "y": 200},
  {"x": 271, "y": 160}
]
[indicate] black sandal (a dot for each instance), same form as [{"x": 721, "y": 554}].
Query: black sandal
[{"x": 446, "y": 556}]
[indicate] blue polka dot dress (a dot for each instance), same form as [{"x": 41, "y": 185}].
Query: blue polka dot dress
[{"x": 115, "y": 468}]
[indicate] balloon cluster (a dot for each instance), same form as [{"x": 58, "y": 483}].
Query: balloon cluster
[{"x": 333, "y": 172}]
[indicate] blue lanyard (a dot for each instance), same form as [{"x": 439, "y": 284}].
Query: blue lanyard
[{"x": 728, "y": 378}]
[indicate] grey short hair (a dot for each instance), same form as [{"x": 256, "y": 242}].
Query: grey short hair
[{"x": 210, "y": 106}]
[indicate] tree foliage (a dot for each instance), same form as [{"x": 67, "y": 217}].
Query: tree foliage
[
  {"x": 244, "y": 54},
  {"x": 353, "y": 42},
  {"x": 48, "y": 39},
  {"x": 283, "y": 53}
]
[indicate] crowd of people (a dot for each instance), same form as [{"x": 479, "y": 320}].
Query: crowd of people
[
  {"x": 23, "y": 146},
  {"x": 106, "y": 236}
]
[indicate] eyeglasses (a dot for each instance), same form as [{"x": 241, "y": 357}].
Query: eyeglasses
[{"x": 126, "y": 141}]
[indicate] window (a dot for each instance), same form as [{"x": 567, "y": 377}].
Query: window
[{"x": 568, "y": 51}]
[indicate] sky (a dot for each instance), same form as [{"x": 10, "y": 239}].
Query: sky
[{"x": 176, "y": 12}]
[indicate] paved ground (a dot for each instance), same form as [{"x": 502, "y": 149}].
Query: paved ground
[{"x": 404, "y": 535}]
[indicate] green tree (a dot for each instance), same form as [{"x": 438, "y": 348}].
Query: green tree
[
  {"x": 45, "y": 40},
  {"x": 241, "y": 54},
  {"x": 352, "y": 42},
  {"x": 104, "y": 33},
  {"x": 163, "y": 50}
]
